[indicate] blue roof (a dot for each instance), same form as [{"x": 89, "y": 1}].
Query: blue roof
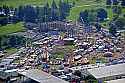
[{"x": 53, "y": 33}]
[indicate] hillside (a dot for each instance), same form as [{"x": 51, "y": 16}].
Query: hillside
[
  {"x": 79, "y": 5},
  {"x": 16, "y": 3},
  {"x": 74, "y": 13}
]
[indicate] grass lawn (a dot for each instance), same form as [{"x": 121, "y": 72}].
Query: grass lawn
[
  {"x": 74, "y": 13},
  {"x": 11, "y": 51},
  {"x": 11, "y": 28},
  {"x": 80, "y": 4},
  {"x": 16, "y": 3},
  {"x": 63, "y": 50}
]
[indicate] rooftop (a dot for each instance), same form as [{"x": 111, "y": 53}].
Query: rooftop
[
  {"x": 40, "y": 76},
  {"x": 116, "y": 81},
  {"x": 107, "y": 71}
]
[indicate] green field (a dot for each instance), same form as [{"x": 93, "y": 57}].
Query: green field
[
  {"x": 63, "y": 50},
  {"x": 74, "y": 13},
  {"x": 79, "y": 6},
  {"x": 16, "y": 3},
  {"x": 11, "y": 51},
  {"x": 11, "y": 28}
]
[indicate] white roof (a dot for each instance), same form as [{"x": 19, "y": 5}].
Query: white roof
[
  {"x": 38, "y": 43},
  {"x": 79, "y": 50},
  {"x": 78, "y": 56},
  {"x": 66, "y": 39},
  {"x": 9, "y": 71},
  {"x": 40, "y": 76},
  {"x": 108, "y": 71},
  {"x": 85, "y": 43},
  {"x": 82, "y": 67},
  {"x": 33, "y": 55},
  {"x": 116, "y": 81},
  {"x": 121, "y": 31}
]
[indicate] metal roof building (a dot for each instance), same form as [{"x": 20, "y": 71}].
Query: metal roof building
[
  {"x": 40, "y": 76},
  {"x": 116, "y": 81},
  {"x": 108, "y": 72}
]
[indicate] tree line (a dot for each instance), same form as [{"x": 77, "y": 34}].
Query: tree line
[
  {"x": 93, "y": 17},
  {"x": 100, "y": 15},
  {"x": 9, "y": 41},
  {"x": 35, "y": 14},
  {"x": 115, "y": 2}
]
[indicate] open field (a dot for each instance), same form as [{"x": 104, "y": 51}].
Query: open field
[
  {"x": 11, "y": 28},
  {"x": 60, "y": 51},
  {"x": 79, "y": 5},
  {"x": 11, "y": 51},
  {"x": 16, "y": 3}
]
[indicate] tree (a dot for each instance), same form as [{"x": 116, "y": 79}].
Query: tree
[
  {"x": 20, "y": 13},
  {"x": 54, "y": 11},
  {"x": 6, "y": 10},
  {"x": 4, "y": 42},
  {"x": 102, "y": 14},
  {"x": 12, "y": 41},
  {"x": 15, "y": 18},
  {"x": 98, "y": 26},
  {"x": 0, "y": 42},
  {"x": 67, "y": 7},
  {"x": 3, "y": 21},
  {"x": 84, "y": 16},
  {"x": 30, "y": 14},
  {"x": 9, "y": 41},
  {"x": 73, "y": 3},
  {"x": 54, "y": 6},
  {"x": 120, "y": 23},
  {"x": 1, "y": 9},
  {"x": 108, "y": 2},
  {"x": 117, "y": 10},
  {"x": 46, "y": 11},
  {"x": 123, "y": 3},
  {"x": 62, "y": 10},
  {"x": 115, "y": 2},
  {"x": 20, "y": 41},
  {"x": 92, "y": 16},
  {"x": 40, "y": 14},
  {"x": 112, "y": 29}
]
